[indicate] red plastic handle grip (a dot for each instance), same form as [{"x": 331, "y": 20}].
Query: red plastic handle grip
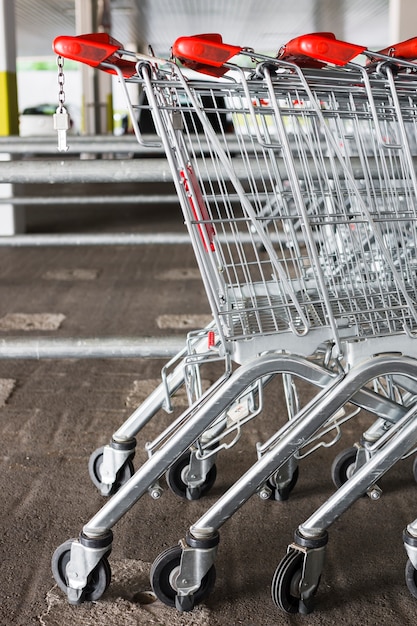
[
  {"x": 323, "y": 47},
  {"x": 204, "y": 53},
  {"x": 404, "y": 50},
  {"x": 94, "y": 49}
]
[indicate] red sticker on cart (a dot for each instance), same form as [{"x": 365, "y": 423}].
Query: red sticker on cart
[{"x": 200, "y": 211}]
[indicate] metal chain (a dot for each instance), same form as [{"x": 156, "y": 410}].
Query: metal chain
[{"x": 61, "y": 81}]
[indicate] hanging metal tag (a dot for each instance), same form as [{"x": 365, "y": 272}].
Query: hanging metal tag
[{"x": 61, "y": 125}]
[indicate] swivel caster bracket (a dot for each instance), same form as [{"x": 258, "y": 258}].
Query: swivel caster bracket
[
  {"x": 195, "y": 563},
  {"x": 312, "y": 567},
  {"x": 111, "y": 466},
  {"x": 198, "y": 469},
  {"x": 114, "y": 457},
  {"x": 85, "y": 556}
]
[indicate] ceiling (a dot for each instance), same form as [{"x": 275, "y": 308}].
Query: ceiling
[{"x": 261, "y": 24}]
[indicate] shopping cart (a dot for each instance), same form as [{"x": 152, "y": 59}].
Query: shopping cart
[
  {"x": 300, "y": 143},
  {"x": 291, "y": 577},
  {"x": 110, "y": 466}
]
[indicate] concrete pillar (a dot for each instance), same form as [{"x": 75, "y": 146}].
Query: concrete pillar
[
  {"x": 329, "y": 17},
  {"x": 9, "y": 121},
  {"x": 11, "y": 218},
  {"x": 402, "y": 20},
  {"x": 97, "y": 108}
]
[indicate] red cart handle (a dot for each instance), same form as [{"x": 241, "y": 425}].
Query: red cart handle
[
  {"x": 94, "y": 49},
  {"x": 404, "y": 50},
  {"x": 204, "y": 53},
  {"x": 320, "y": 47}
]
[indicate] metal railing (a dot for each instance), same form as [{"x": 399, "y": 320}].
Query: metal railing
[
  {"x": 90, "y": 347},
  {"x": 91, "y": 160},
  {"x": 86, "y": 144}
]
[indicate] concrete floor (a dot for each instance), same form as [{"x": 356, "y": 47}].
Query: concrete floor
[{"x": 54, "y": 413}]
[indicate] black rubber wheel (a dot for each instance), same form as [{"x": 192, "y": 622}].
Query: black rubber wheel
[
  {"x": 343, "y": 466},
  {"x": 94, "y": 468},
  {"x": 285, "y": 584},
  {"x": 163, "y": 574},
  {"x": 283, "y": 493},
  {"x": 98, "y": 581},
  {"x": 411, "y": 578},
  {"x": 176, "y": 479}
]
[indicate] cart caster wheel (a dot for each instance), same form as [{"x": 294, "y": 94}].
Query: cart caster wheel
[
  {"x": 176, "y": 478},
  {"x": 343, "y": 466},
  {"x": 280, "y": 494},
  {"x": 285, "y": 585},
  {"x": 164, "y": 572},
  {"x": 411, "y": 578},
  {"x": 94, "y": 468},
  {"x": 97, "y": 583}
]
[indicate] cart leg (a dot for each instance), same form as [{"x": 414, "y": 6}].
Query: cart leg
[
  {"x": 362, "y": 481},
  {"x": 294, "y": 433},
  {"x": 403, "y": 438},
  {"x": 292, "y": 437},
  {"x": 111, "y": 465},
  {"x": 203, "y": 413},
  {"x": 75, "y": 566},
  {"x": 113, "y": 461}
]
